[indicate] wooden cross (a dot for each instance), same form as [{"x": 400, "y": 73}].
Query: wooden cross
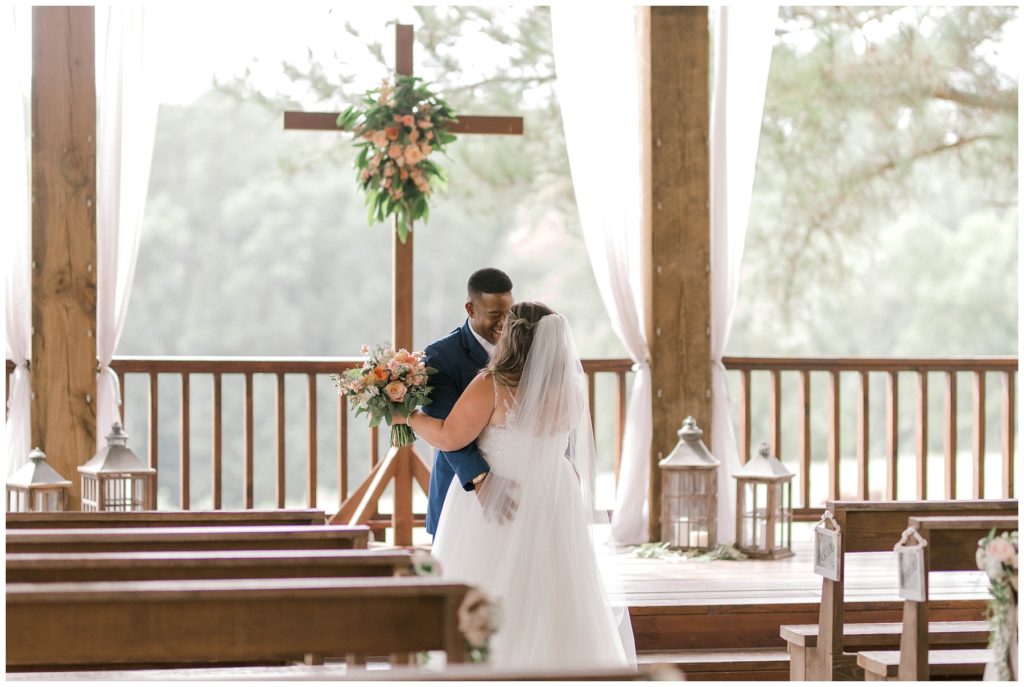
[{"x": 405, "y": 464}]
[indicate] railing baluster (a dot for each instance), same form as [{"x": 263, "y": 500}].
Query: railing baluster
[
  {"x": 342, "y": 451},
  {"x": 1009, "y": 413},
  {"x": 833, "y": 434},
  {"x": 120, "y": 407},
  {"x": 218, "y": 443},
  {"x": 892, "y": 433},
  {"x": 950, "y": 439},
  {"x": 922, "y": 434},
  {"x": 185, "y": 444},
  {"x": 154, "y": 418},
  {"x": 247, "y": 486},
  {"x": 805, "y": 438},
  {"x": 979, "y": 435},
  {"x": 620, "y": 421},
  {"x": 311, "y": 440},
  {"x": 280, "y": 482},
  {"x": 744, "y": 416},
  {"x": 775, "y": 412},
  {"x": 374, "y": 447},
  {"x": 863, "y": 437}
]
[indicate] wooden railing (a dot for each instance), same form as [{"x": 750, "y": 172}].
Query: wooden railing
[
  {"x": 773, "y": 368},
  {"x": 792, "y": 441},
  {"x": 131, "y": 369}
]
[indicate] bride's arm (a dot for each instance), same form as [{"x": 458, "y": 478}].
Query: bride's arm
[{"x": 464, "y": 424}]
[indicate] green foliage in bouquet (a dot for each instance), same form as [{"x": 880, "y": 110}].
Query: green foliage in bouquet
[{"x": 397, "y": 128}]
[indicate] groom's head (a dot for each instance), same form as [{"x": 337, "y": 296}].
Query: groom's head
[{"x": 488, "y": 300}]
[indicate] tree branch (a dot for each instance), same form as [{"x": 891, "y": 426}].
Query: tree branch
[{"x": 1005, "y": 103}]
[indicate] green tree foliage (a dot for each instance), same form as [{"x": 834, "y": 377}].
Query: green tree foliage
[{"x": 885, "y": 205}]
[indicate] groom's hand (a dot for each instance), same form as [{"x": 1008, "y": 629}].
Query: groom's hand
[{"x": 499, "y": 497}]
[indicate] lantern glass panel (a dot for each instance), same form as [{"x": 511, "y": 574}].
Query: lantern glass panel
[{"x": 755, "y": 515}]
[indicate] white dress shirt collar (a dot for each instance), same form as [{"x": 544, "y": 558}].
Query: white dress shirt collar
[{"x": 487, "y": 345}]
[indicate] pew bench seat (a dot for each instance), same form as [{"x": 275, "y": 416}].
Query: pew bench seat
[
  {"x": 200, "y": 565},
  {"x": 73, "y": 625},
  {"x": 860, "y": 635},
  {"x": 943, "y": 663}
]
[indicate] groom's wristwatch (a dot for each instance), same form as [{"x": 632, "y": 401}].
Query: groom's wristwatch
[{"x": 478, "y": 480}]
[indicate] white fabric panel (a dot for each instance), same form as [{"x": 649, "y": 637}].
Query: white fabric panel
[
  {"x": 744, "y": 37},
  {"x": 602, "y": 61}
]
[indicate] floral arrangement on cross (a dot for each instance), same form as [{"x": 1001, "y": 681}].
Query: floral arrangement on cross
[{"x": 397, "y": 127}]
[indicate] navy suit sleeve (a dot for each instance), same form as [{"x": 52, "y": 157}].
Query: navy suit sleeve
[{"x": 467, "y": 462}]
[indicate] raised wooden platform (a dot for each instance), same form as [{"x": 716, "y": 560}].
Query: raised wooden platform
[{"x": 686, "y": 605}]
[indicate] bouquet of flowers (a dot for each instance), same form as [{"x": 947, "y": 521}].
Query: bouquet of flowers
[
  {"x": 386, "y": 383},
  {"x": 997, "y": 556},
  {"x": 397, "y": 128}
]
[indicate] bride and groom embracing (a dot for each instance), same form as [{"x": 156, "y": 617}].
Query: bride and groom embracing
[{"x": 511, "y": 499}]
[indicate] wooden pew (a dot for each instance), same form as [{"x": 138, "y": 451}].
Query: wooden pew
[
  {"x": 454, "y": 673},
  {"x": 165, "y": 518},
  {"x": 187, "y": 539},
  {"x": 951, "y": 545},
  {"x": 80, "y": 624},
  {"x": 821, "y": 652},
  {"x": 203, "y": 565}
]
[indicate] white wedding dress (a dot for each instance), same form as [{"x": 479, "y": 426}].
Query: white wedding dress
[{"x": 542, "y": 566}]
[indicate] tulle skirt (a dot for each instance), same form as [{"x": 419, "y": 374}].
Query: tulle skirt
[{"x": 541, "y": 567}]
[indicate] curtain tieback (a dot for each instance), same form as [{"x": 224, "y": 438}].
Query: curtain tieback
[
  {"x": 640, "y": 365},
  {"x": 115, "y": 386}
]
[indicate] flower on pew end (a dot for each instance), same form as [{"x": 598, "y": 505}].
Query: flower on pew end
[
  {"x": 425, "y": 565},
  {"x": 479, "y": 618},
  {"x": 997, "y": 556}
]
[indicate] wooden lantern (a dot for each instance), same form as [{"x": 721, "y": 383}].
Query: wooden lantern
[
  {"x": 115, "y": 479},
  {"x": 37, "y": 487},
  {"x": 764, "y": 507},
  {"x": 689, "y": 492}
]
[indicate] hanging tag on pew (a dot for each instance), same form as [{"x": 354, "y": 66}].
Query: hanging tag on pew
[
  {"x": 910, "y": 565},
  {"x": 827, "y": 547}
]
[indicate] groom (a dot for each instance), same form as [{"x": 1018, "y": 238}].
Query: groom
[{"x": 458, "y": 358}]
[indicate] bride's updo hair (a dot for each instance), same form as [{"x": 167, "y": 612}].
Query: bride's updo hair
[{"x": 510, "y": 353}]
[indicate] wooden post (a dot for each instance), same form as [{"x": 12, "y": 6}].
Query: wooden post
[
  {"x": 64, "y": 239},
  {"x": 678, "y": 268}
]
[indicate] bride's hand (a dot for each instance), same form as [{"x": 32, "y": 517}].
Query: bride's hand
[{"x": 399, "y": 419}]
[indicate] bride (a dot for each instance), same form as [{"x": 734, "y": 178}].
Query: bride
[{"x": 525, "y": 536}]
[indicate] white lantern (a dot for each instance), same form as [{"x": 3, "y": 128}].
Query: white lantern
[
  {"x": 37, "y": 487},
  {"x": 764, "y": 507},
  {"x": 115, "y": 479},
  {"x": 689, "y": 491}
]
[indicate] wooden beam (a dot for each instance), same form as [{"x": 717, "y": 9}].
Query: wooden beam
[
  {"x": 467, "y": 124},
  {"x": 64, "y": 238},
  {"x": 678, "y": 267}
]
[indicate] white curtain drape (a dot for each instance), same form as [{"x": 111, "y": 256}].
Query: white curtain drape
[
  {"x": 596, "y": 56},
  {"x": 126, "y": 126},
  {"x": 15, "y": 85},
  {"x": 744, "y": 37}
]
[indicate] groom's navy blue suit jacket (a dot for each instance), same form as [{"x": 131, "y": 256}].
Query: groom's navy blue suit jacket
[{"x": 457, "y": 358}]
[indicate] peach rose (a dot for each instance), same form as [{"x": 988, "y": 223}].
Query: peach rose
[
  {"x": 408, "y": 120},
  {"x": 396, "y": 391},
  {"x": 1000, "y": 549},
  {"x": 430, "y": 135},
  {"x": 380, "y": 373},
  {"x": 395, "y": 151},
  {"x": 425, "y": 148},
  {"x": 379, "y": 139},
  {"x": 425, "y": 124},
  {"x": 391, "y": 132},
  {"x": 403, "y": 174},
  {"x": 414, "y": 135},
  {"x": 412, "y": 154}
]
